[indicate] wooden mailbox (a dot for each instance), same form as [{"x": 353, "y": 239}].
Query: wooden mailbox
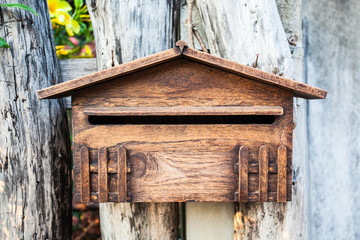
[{"x": 182, "y": 125}]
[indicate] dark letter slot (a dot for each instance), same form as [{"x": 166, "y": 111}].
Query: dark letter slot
[
  {"x": 182, "y": 120},
  {"x": 183, "y": 115}
]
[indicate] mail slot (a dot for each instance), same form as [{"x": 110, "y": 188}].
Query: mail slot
[{"x": 182, "y": 125}]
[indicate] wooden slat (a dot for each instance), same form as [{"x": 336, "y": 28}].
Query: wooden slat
[
  {"x": 263, "y": 173},
  {"x": 103, "y": 171},
  {"x": 183, "y": 111},
  {"x": 85, "y": 175},
  {"x": 281, "y": 187},
  {"x": 243, "y": 173},
  {"x": 254, "y": 168},
  {"x": 122, "y": 182},
  {"x": 113, "y": 168},
  {"x": 113, "y": 197}
]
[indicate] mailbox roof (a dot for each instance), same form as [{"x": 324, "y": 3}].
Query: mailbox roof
[{"x": 181, "y": 51}]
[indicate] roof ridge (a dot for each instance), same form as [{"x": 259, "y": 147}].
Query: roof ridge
[{"x": 181, "y": 49}]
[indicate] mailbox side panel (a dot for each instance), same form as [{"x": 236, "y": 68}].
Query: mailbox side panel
[{"x": 168, "y": 163}]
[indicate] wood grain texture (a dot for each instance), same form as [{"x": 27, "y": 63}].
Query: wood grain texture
[
  {"x": 75, "y": 68},
  {"x": 124, "y": 31},
  {"x": 122, "y": 171},
  {"x": 35, "y": 158},
  {"x": 221, "y": 21},
  {"x": 300, "y": 89},
  {"x": 184, "y": 162},
  {"x": 103, "y": 175},
  {"x": 281, "y": 184},
  {"x": 183, "y": 111},
  {"x": 243, "y": 174},
  {"x": 263, "y": 173},
  {"x": 67, "y": 88},
  {"x": 85, "y": 175},
  {"x": 333, "y": 161}
]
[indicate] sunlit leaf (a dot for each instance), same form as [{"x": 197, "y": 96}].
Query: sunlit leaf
[
  {"x": 3, "y": 43},
  {"x": 21, "y": 6}
]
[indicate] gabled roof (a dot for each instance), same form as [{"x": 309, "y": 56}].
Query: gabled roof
[{"x": 181, "y": 51}]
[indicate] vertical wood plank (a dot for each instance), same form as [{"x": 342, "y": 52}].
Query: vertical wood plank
[
  {"x": 243, "y": 173},
  {"x": 281, "y": 187},
  {"x": 103, "y": 180},
  {"x": 121, "y": 37},
  {"x": 85, "y": 175},
  {"x": 122, "y": 170},
  {"x": 263, "y": 173}
]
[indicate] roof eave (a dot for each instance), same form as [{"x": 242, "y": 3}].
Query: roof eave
[
  {"x": 67, "y": 88},
  {"x": 299, "y": 89},
  {"x": 181, "y": 50}
]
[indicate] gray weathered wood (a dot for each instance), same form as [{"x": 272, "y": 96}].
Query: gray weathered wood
[
  {"x": 35, "y": 170},
  {"x": 239, "y": 31},
  {"x": 74, "y": 68},
  {"x": 124, "y": 31},
  {"x": 332, "y": 61}
]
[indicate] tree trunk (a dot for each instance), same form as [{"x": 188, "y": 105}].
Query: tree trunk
[
  {"x": 332, "y": 62},
  {"x": 251, "y": 33},
  {"x": 35, "y": 170},
  {"x": 124, "y": 31}
]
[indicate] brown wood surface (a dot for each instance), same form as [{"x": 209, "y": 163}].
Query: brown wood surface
[
  {"x": 243, "y": 174},
  {"x": 183, "y": 111},
  {"x": 121, "y": 177},
  {"x": 176, "y": 163},
  {"x": 263, "y": 173},
  {"x": 68, "y": 88},
  {"x": 299, "y": 89},
  {"x": 253, "y": 168},
  {"x": 281, "y": 186},
  {"x": 85, "y": 175},
  {"x": 103, "y": 175}
]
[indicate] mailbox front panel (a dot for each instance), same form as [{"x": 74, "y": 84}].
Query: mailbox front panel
[{"x": 186, "y": 141}]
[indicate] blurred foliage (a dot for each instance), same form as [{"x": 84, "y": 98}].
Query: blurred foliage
[
  {"x": 86, "y": 224},
  {"x": 72, "y": 29}
]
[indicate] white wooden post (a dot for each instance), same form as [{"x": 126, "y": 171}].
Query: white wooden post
[
  {"x": 125, "y": 31},
  {"x": 239, "y": 31},
  {"x": 333, "y": 63}
]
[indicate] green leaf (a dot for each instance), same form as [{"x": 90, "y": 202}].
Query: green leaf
[
  {"x": 78, "y": 3},
  {"x": 3, "y": 43},
  {"x": 21, "y": 6}
]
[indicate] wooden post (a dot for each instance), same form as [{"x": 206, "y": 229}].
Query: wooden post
[
  {"x": 125, "y": 31},
  {"x": 332, "y": 60},
  {"x": 35, "y": 170},
  {"x": 252, "y": 33}
]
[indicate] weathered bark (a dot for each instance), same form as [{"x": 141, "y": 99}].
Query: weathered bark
[
  {"x": 332, "y": 62},
  {"x": 240, "y": 31},
  {"x": 35, "y": 182},
  {"x": 124, "y": 31}
]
